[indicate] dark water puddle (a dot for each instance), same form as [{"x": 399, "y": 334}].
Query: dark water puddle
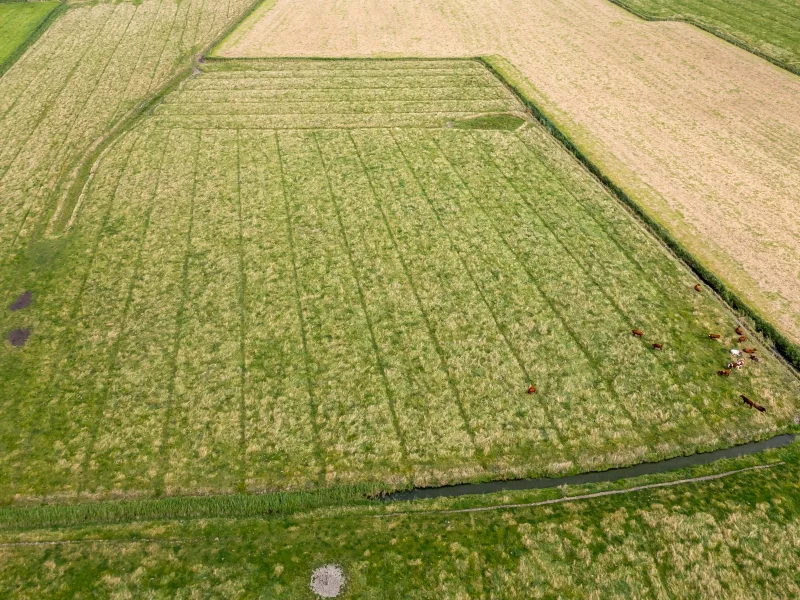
[{"x": 670, "y": 464}]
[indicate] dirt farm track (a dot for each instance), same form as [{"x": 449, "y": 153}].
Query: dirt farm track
[{"x": 703, "y": 134}]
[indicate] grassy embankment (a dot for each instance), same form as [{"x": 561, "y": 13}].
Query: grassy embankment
[
  {"x": 768, "y": 28},
  {"x": 736, "y": 536},
  {"x": 21, "y": 23}
]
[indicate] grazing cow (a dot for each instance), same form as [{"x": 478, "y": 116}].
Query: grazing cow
[
  {"x": 749, "y": 350},
  {"x": 749, "y": 402},
  {"x": 714, "y": 336},
  {"x": 742, "y": 338},
  {"x": 658, "y": 346},
  {"x": 739, "y": 330},
  {"x": 697, "y": 288},
  {"x": 532, "y": 389},
  {"x": 725, "y": 372},
  {"x": 638, "y": 333},
  {"x": 754, "y": 358}
]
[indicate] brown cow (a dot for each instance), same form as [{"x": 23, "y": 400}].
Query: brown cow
[
  {"x": 637, "y": 332},
  {"x": 742, "y": 338},
  {"x": 697, "y": 288},
  {"x": 724, "y": 372},
  {"x": 739, "y": 330},
  {"x": 658, "y": 346},
  {"x": 749, "y": 350},
  {"x": 714, "y": 336},
  {"x": 532, "y": 389},
  {"x": 749, "y": 402}
]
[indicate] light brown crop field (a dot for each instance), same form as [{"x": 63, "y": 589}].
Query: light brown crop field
[{"x": 703, "y": 134}]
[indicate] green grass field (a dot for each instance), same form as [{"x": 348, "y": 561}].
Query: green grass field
[
  {"x": 18, "y": 20},
  {"x": 735, "y": 537},
  {"x": 766, "y": 26},
  {"x": 303, "y": 274}
]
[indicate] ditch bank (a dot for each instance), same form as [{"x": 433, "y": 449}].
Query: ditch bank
[{"x": 611, "y": 475}]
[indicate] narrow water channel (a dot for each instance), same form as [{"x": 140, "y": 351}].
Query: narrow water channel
[{"x": 670, "y": 464}]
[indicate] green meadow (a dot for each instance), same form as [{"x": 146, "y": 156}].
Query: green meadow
[
  {"x": 300, "y": 275},
  {"x": 18, "y": 20}
]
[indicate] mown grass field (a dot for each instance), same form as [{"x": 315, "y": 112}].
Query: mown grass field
[
  {"x": 735, "y": 537},
  {"x": 300, "y": 274},
  {"x": 767, "y": 26},
  {"x": 17, "y": 21},
  {"x": 701, "y": 135}
]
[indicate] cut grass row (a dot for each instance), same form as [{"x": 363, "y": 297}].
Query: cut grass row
[
  {"x": 260, "y": 310},
  {"x": 767, "y": 28},
  {"x": 86, "y": 72},
  {"x": 733, "y": 537}
]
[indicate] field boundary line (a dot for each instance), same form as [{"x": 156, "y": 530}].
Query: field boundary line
[
  {"x": 113, "y": 353},
  {"x": 637, "y": 488},
  {"x": 512, "y": 348},
  {"x": 741, "y": 44},
  {"x": 546, "y": 298},
  {"x": 313, "y": 404},
  {"x": 585, "y": 267},
  {"x": 158, "y": 484},
  {"x": 33, "y": 36},
  {"x": 787, "y": 350},
  {"x": 242, "y": 299}
]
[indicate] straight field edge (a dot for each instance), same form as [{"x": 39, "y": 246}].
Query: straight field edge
[
  {"x": 795, "y": 69},
  {"x": 785, "y": 348},
  {"x": 33, "y": 36}
]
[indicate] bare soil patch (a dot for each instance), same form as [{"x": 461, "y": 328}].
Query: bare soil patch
[
  {"x": 703, "y": 134},
  {"x": 327, "y": 581},
  {"x": 24, "y": 301}
]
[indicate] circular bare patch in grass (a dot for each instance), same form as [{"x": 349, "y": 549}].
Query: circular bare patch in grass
[
  {"x": 24, "y": 301},
  {"x": 327, "y": 581},
  {"x": 18, "y": 337}
]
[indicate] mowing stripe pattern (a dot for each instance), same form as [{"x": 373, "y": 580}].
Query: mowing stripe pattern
[{"x": 296, "y": 274}]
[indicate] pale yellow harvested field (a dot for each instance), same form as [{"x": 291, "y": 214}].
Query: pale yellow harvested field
[{"x": 703, "y": 134}]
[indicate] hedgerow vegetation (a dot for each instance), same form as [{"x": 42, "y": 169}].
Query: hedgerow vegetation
[
  {"x": 767, "y": 27},
  {"x": 301, "y": 274},
  {"x": 733, "y": 537}
]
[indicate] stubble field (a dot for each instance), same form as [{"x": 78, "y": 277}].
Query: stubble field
[
  {"x": 296, "y": 274},
  {"x": 704, "y": 135}
]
